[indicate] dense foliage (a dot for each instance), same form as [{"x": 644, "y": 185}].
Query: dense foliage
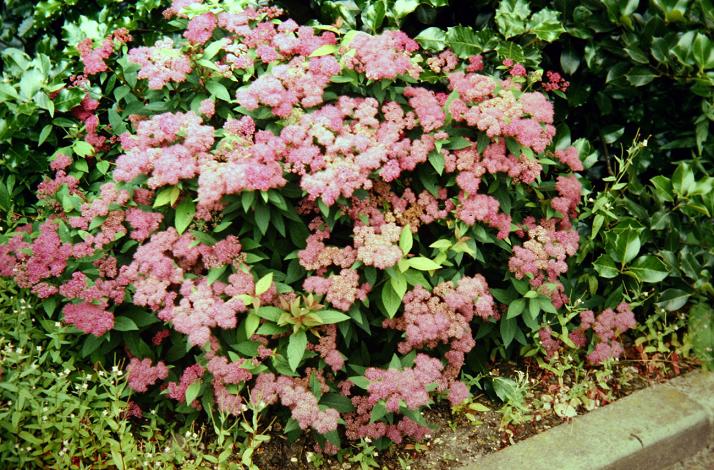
[{"x": 329, "y": 223}]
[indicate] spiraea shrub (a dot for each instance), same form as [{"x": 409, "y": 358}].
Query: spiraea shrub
[{"x": 318, "y": 224}]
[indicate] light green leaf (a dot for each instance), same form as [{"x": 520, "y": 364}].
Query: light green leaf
[
  {"x": 390, "y": 299},
  {"x": 423, "y": 264},
  {"x": 433, "y": 39},
  {"x": 184, "y": 214},
  {"x": 546, "y": 25},
  {"x": 297, "y": 344},
  {"x": 511, "y": 17},
  {"x": 406, "y": 240},
  {"x": 328, "y": 317},
  {"x": 516, "y": 308},
  {"x": 192, "y": 392},
  {"x": 263, "y": 284},
  {"x": 325, "y": 49},
  {"x": 217, "y": 89}
]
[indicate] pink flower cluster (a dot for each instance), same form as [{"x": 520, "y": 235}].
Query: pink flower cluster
[
  {"x": 341, "y": 290},
  {"x": 303, "y": 404},
  {"x": 378, "y": 246},
  {"x": 383, "y": 57},
  {"x": 141, "y": 374},
  {"x": 542, "y": 258},
  {"x": 90, "y": 318},
  {"x": 608, "y": 326},
  {"x": 93, "y": 58},
  {"x": 167, "y": 148},
  {"x": 161, "y": 63},
  {"x": 408, "y": 388},
  {"x": 444, "y": 317}
]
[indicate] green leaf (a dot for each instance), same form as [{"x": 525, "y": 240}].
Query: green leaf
[
  {"x": 213, "y": 48},
  {"x": 398, "y": 281},
  {"x": 167, "y": 195},
  {"x": 325, "y": 49},
  {"x": 252, "y": 321},
  {"x": 627, "y": 246},
  {"x": 124, "y": 324},
  {"x": 390, "y": 299},
  {"x": 433, "y": 39},
  {"x": 360, "y": 381},
  {"x": 378, "y": 412},
  {"x": 262, "y": 217},
  {"x": 192, "y": 392},
  {"x": 546, "y": 25},
  {"x": 605, "y": 267},
  {"x": 338, "y": 402},
  {"x": 640, "y": 75},
  {"x": 184, "y": 214},
  {"x": 465, "y": 42},
  {"x": 215, "y": 273},
  {"x": 516, "y": 308},
  {"x": 373, "y": 15},
  {"x": 663, "y": 187},
  {"x": 328, "y": 317},
  {"x": 511, "y": 17},
  {"x": 270, "y": 313},
  {"x": 683, "y": 181},
  {"x": 437, "y": 161},
  {"x": 263, "y": 284},
  {"x": 5, "y": 199},
  {"x": 597, "y": 224},
  {"x": 82, "y": 148},
  {"x": 406, "y": 241},
  {"x": 217, "y": 89},
  {"x": 508, "y": 330},
  {"x": 672, "y": 299},
  {"x": 423, "y": 264},
  {"x": 297, "y": 344},
  {"x": 649, "y": 269},
  {"x": 44, "y": 134}
]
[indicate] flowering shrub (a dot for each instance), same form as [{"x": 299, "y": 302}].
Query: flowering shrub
[{"x": 262, "y": 213}]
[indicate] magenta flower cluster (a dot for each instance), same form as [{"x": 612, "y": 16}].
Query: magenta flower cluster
[{"x": 372, "y": 178}]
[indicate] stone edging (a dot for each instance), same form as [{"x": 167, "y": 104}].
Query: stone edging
[{"x": 650, "y": 429}]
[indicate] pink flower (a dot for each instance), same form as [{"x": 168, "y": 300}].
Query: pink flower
[
  {"x": 141, "y": 374},
  {"x": 200, "y": 28},
  {"x": 90, "y": 318},
  {"x": 161, "y": 63}
]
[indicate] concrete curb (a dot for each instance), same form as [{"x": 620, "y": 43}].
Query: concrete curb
[{"x": 650, "y": 429}]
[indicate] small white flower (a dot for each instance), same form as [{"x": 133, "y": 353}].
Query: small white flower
[
  {"x": 293, "y": 459},
  {"x": 18, "y": 350},
  {"x": 57, "y": 324}
]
